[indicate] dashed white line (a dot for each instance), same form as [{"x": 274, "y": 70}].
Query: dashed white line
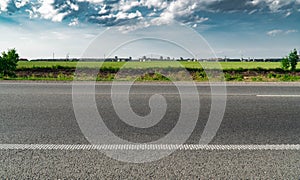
[{"x": 144, "y": 147}]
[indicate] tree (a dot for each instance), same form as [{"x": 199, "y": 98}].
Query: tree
[
  {"x": 8, "y": 62},
  {"x": 290, "y": 61},
  {"x": 285, "y": 63},
  {"x": 293, "y": 58}
]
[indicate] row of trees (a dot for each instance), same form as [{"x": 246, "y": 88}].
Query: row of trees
[
  {"x": 290, "y": 61},
  {"x": 8, "y": 62}
]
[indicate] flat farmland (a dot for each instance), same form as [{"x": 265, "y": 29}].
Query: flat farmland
[
  {"x": 152, "y": 64},
  {"x": 233, "y": 71}
]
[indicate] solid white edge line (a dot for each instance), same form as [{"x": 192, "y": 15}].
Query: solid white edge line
[
  {"x": 278, "y": 95},
  {"x": 144, "y": 147},
  {"x": 229, "y": 84}
]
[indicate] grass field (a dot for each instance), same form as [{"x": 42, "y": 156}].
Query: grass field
[
  {"x": 233, "y": 71},
  {"x": 160, "y": 64}
]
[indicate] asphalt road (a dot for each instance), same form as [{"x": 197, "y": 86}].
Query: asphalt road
[{"x": 256, "y": 114}]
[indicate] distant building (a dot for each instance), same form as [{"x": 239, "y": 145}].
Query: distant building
[
  {"x": 117, "y": 59},
  {"x": 23, "y": 59}
]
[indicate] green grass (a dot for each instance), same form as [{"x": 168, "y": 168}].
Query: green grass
[
  {"x": 233, "y": 71},
  {"x": 31, "y": 64},
  {"x": 208, "y": 65}
]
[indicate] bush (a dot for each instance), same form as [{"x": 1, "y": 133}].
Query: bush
[
  {"x": 285, "y": 63},
  {"x": 271, "y": 75},
  {"x": 8, "y": 62},
  {"x": 227, "y": 77},
  {"x": 239, "y": 77},
  {"x": 290, "y": 61}
]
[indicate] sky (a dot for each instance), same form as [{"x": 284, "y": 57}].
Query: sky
[{"x": 232, "y": 28}]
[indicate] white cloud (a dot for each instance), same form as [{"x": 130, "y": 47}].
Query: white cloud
[
  {"x": 184, "y": 11},
  {"x": 201, "y": 19},
  {"x": 277, "y": 4},
  {"x": 92, "y": 1},
  {"x": 291, "y": 31},
  {"x": 32, "y": 13},
  {"x": 157, "y": 4},
  {"x": 59, "y": 17},
  {"x": 103, "y": 10},
  {"x": 74, "y": 7},
  {"x": 3, "y": 5},
  {"x": 47, "y": 11},
  {"x": 273, "y": 5},
  {"x": 152, "y": 14},
  {"x": 277, "y": 32},
  {"x": 74, "y": 22},
  {"x": 176, "y": 9},
  {"x": 129, "y": 28},
  {"x": 274, "y": 32},
  {"x": 288, "y": 13},
  {"x": 107, "y": 11},
  {"x": 21, "y": 3},
  {"x": 127, "y": 5},
  {"x": 109, "y": 16},
  {"x": 122, "y": 15}
]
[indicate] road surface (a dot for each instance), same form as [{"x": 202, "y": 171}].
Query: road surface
[{"x": 258, "y": 136}]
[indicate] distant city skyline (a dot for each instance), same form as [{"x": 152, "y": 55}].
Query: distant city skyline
[{"x": 234, "y": 29}]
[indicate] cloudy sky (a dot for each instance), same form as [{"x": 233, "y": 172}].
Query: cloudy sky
[{"x": 233, "y": 28}]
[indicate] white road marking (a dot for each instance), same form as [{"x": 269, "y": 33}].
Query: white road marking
[
  {"x": 278, "y": 95},
  {"x": 144, "y": 147},
  {"x": 120, "y": 83}
]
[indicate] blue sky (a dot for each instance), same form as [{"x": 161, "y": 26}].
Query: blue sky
[{"x": 233, "y": 28}]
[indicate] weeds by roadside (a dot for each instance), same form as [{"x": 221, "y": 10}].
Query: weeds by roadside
[{"x": 61, "y": 73}]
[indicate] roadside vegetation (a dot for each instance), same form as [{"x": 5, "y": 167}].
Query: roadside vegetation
[
  {"x": 8, "y": 63},
  {"x": 152, "y": 64},
  {"x": 286, "y": 70},
  {"x": 290, "y": 62},
  {"x": 109, "y": 73}
]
